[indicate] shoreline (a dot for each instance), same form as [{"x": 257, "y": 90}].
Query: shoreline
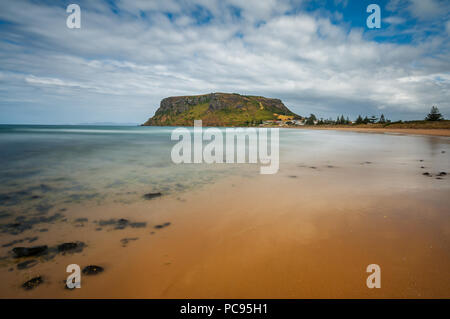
[
  {"x": 441, "y": 132},
  {"x": 407, "y": 131}
]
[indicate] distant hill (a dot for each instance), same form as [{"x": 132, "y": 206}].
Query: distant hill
[{"x": 219, "y": 109}]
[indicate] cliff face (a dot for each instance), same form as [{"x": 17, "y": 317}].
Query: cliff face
[{"x": 218, "y": 109}]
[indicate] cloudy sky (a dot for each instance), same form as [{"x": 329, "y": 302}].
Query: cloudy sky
[{"x": 317, "y": 56}]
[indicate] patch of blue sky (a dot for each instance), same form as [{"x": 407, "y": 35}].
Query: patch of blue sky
[{"x": 201, "y": 15}]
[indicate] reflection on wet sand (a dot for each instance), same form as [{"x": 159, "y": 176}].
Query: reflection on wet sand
[
  {"x": 340, "y": 202},
  {"x": 268, "y": 237}
]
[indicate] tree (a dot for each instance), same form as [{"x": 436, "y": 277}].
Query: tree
[
  {"x": 434, "y": 115},
  {"x": 311, "y": 119},
  {"x": 359, "y": 120},
  {"x": 382, "y": 119},
  {"x": 366, "y": 120}
]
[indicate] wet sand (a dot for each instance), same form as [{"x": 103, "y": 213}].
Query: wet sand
[
  {"x": 431, "y": 132},
  {"x": 302, "y": 233}
]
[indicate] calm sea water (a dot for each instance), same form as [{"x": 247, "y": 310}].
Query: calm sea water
[{"x": 47, "y": 166}]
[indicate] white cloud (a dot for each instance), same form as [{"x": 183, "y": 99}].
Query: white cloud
[
  {"x": 425, "y": 9},
  {"x": 394, "y": 20},
  {"x": 127, "y": 63}
]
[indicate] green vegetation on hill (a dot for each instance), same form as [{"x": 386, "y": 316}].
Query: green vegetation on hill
[{"x": 219, "y": 109}]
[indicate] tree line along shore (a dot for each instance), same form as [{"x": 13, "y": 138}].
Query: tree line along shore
[{"x": 434, "y": 120}]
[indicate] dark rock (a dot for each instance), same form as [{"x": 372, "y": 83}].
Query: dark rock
[
  {"x": 313, "y": 167},
  {"x": 81, "y": 220},
  {"x": 442, "y": 174},
  {"x": 152, "y": 195},
  {"x": 70, "y": 247},
  {"x": 438, "y": 177},
  {"x": 292, "y": 176},
  {"x": 33, "y": 283},
  {"x": 443, "y": 152},
  {"x": 138, "y": 225},
  {"x": 43, "y": 209},
  {"x": 162, "y": 225},
  {"x": 4, "y": 215},
  {"x": 12, "y": 243},
  {"x": 16, "y": 228},
  {"x": 426, "y": 174},
  {"x": 27, "y": 264},
  {"x": 31, "y": 251},
  {"x": 43, "y": 230},
  {"x": 18, "y": 241},
  {"x": 422, "y": 166},
  {"x": 122, "y": 223},
  {"x": 32, "y": 239},
  {"x": 125, "y": 241},
  {"x": 81, "y": 197},
  {"x": 92, "y": 270},
  {"x": 5, "y": 197},
  {"x": 25, "y": 224},
  {"x": 14, "y": 198},
  {"x": 107, "y": 222},
  {"x": 49, "y": 219}
]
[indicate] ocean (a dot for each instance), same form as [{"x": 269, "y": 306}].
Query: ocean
[{"x": 51, "y": 165}]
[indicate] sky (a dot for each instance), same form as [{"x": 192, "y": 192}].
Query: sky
[{"x": 316, "y": 56}]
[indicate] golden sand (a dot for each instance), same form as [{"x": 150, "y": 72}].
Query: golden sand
[{"x": 302, "y": 233}]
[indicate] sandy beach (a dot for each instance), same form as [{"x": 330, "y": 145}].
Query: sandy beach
[
  {"x": 431, "y": 132},
  {"x": 308, "y": 231}
]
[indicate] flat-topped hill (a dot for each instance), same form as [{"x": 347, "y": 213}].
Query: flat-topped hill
[{"x": 219, "y": 109}]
